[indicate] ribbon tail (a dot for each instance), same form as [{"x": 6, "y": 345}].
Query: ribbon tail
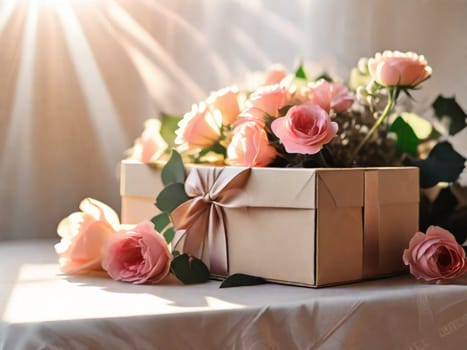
[{"x": 217, "y": 242}]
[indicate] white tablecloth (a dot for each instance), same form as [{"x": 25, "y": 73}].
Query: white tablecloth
[{"x": 42, "y": 309}]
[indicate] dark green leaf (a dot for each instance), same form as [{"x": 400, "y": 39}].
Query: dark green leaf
[
  {"x": 189, "y": 270},
  {"x": 448, "y": 108},
  {"x": 171, "y": 197},
  {"x": 443, "y": 164},
  {"x": 300, "y": 72},
  {"x": 240, "y": 279},
  {"x": 169, "y": 234},
  {"x": 282, "y": 111},
  {"x": 169, "y": 124},
  {"x": 173, "y": 171},
  {"x": 175, "y": 253},
  {"x": 407, "y": 141},
  {"x": 161, "y": 221}
]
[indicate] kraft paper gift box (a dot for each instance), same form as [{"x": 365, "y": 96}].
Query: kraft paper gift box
[{"x": 309, "y": 227}]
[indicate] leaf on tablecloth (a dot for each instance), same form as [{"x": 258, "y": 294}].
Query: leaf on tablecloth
[
  {"x": 240, "y": 279},
  {"x": 189, "y": 270}
]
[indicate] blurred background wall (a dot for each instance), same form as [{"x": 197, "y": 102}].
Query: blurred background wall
[{"x": 79, "y": 77}]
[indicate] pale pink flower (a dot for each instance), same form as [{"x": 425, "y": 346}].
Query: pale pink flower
[
  {"x": 330, "y": 96},
  {"x": 250, "y": 146},
  {"x": 150, "y": 146},
  {"x": 138, "y": 255},
  {"x": 435, "y": 256},
  {"x": 270, "y": 99},
  {"x": 225, "y": 102},
  {"x": 198, "y": 128},
  {"x": 83, "y": 235},
  {"x": 394, "y": 68},
  {"x": 275, "y": 74},
  {"x": 304, "y": 129}
]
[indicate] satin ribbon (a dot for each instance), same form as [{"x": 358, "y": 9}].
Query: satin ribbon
[{"x": 211, "y": 189}]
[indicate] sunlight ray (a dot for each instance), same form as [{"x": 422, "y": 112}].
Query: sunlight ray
[
  {"x": 104, "y": 116},
  {"x": 6, "y": 9},
  {"x": 133, "y": 28},
  {"x": 219, "y": 64},
  {"x": 16, "y": 157}
]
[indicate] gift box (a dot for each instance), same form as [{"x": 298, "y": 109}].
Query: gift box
[{"x": 309, "y": 227}]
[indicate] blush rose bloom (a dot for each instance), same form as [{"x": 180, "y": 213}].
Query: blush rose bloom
[
  {"x": 269, "y": 99},
  {"x": 304, "y": 129},
  {"x": 83, "y": 235},
  {"x": 275, "y": 74},
  {"x": 330, "y": 96},
  {"x": 436, "y": 256},
  {"x": 225, "y": 102},
  {"x": 137, "y": 255},
  {"x": 251, "y": 115},
  {"x": 150, "y": 146},
  {"x": 394, "y": 68},
  {"x": 250, "y": 146},
  {"x": 198, "y": 128}
]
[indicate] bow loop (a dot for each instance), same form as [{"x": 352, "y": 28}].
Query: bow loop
[{"x": 201, "y": 219}]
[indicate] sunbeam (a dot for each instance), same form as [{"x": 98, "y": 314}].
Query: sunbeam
[
  {"x": 16, "y": 160},
  {"x": 6, "y": 9},
  {"x": 103, "y": 114},
  {"x": 130, "y": 27}
]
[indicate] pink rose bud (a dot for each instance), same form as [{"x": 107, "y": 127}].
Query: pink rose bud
[
  {"x": 436, "y": 256},
  {"x": 225, "y": 102},
  {"x": 275, "y": 74},
  {"x": 330, "y": 96},
  {"x": 270, "y": 99},
  {"x": 394, "y": 68},
  {"x": 304, "y": 129},
  {"x": 138, "y": 255},
  {"x": 84, "y": 234},
  {"x": 150, "y": 145},
  {"x": 198, "y": 128},
  {"x": 250, "y": 146}
]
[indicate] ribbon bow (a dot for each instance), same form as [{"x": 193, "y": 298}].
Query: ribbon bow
[{"x": 210, "y": 189}]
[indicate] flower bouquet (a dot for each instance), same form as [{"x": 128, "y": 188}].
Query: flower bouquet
[{"x": 242, "y": 209}]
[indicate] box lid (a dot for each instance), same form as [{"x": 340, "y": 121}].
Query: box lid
[{"x": 266, "y": 187}]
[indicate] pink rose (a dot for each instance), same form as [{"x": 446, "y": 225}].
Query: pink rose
[
  {"x": 436, "y": 256},
  {"x": 329, "y": 96},
  {"x": 138, "y": 255},
  {"x": 394, "y": 68},
  {"x": 225, "y": 101},
  {"x": 269, "y": 99},
  {"x": 275, "y": 74},
  {"x": 198, "y": 128},
  {"x": 150, "y": 145},
  {"x": 251, "y": 115},
  {"x": 250, "y": 146},
  {"x": 304, "y": 129},
  {"x": 83, "y": 236}
]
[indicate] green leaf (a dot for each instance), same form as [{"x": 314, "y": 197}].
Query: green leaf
[
  {"x": 173, "y": 171},
  {"x": 189, "y": 269},
  {"x": 300, "y": 72},
  {"x": 169, "y": 123},
  {"x": 169, "y": 234},
  {"x": 447, "y": 108},
  {"x": 240, "y": 279},
  {"x": 161, "y": 221},
  {"x": 171, "y": 197},
  {"x": 443, "y": 164},
  {"x": 407, "y": 141}
]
